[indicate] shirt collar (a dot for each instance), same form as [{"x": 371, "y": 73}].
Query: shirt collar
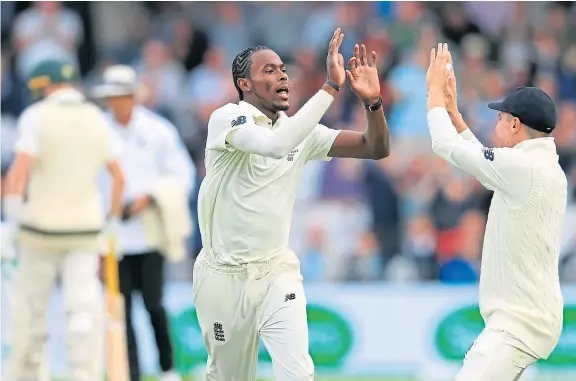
[
  {"x": 546, "y": 143},
  {"x": 68, "y": 95},
  {"x": 257, "y": 114},
  {"x": 136, "y": 112}
]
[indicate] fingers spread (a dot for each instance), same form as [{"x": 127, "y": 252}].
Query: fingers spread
[
  {"x": 357, "y": 53},
  {"x": 374, "y": 59},
  {"x": 363, "y": 57},
  {"x": 352, "y": 64},
  {"x": 349, "y": 75}
]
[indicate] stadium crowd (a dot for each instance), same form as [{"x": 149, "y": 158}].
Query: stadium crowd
[{"x": 409, "y": 217}]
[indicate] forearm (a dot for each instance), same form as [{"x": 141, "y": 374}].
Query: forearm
[
  {"x": 377, "y": 134},
  {"x": 436, "y": 99},
  {"x": 278, "y": 142},
  {"x": 458, "y": 121},
  {"x": 116, "y": 197},
  {"x": 117, "y": 190},
  {"x": 442, "y": 133}
]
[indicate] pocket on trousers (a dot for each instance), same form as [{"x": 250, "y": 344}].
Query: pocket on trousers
[{"x": 198, "y": 273}]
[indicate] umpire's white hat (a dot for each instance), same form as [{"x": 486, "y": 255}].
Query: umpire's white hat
[{"x": 117, "y": 81}]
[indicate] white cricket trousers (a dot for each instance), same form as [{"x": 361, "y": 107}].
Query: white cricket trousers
[
  {"x": 496, "y": 355},
  {"x": 34, "y": 283},
  {"x": 238, "y": 304}
]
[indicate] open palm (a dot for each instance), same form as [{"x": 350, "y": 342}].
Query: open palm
[{"x": 363, "y": 75}]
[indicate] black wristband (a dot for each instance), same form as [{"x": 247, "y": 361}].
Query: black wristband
[
  {"x": 333, "y": 84},
  {"x": 375, "y": 106}
]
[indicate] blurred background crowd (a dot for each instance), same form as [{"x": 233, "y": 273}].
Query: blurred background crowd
[{"x": 407, "y": 218}]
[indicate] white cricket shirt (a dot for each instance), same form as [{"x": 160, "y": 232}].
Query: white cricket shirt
[
  {"x": 70, "y": 140},
  {"x": 151, "y": 148},
  {"x": 519, "y": 281},
  {"x": 246, "y": 200}
]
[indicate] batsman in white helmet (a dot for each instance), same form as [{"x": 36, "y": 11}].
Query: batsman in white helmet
[{"x": 64, "y": 143}]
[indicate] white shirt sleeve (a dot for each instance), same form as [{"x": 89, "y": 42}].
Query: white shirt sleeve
[
  {"x": 27, "y": 141},
  {"x": 175, "y": 159},
  {"x": 230, "y": 129},
  {"x": 322, "y": 139},
  {"x": 504, "y": 169}
]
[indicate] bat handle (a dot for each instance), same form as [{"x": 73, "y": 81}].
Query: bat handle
[{"x": 111, "y": 269}]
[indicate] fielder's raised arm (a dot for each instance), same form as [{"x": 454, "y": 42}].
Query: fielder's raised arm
[{"x": 505, "y": 169}]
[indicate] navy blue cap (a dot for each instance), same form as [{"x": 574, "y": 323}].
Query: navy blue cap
[{"x": 532, "y": 106}]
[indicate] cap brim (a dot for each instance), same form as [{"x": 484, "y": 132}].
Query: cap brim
[
  {"x": 499, "y": 106},
  {"x": 110, "y": 91}
]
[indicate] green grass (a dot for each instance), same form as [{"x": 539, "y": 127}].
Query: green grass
[{"x": 336, "y": 378}]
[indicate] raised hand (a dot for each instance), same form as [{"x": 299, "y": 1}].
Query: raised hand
[
  {"x": 439, "y": 69},
  {"x": 334, "y": 60},
  {"x": 450, "y": 93},
  {"x": 363, "y": 75}
]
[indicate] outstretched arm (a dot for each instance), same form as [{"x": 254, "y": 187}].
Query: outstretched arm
[
  {"x": 230, "y": 130},
  {"x": 503, "y": 169},
  {"x": 374, "y": 142}
]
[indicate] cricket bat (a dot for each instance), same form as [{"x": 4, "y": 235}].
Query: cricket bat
[{"x": 116, "y": 350}]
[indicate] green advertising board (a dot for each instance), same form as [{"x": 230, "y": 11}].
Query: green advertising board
[
  {"x": 457, "y": 330},
  {"x": 330, "y": 337}
]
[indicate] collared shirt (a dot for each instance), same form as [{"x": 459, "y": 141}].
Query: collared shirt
[
  {"x": 519, "y": 280},
  {"x": 507, "y": 170},
  {"x": 151, "y": 148},
  {"x": 246, "y": 200},
  {"x": 27, "y": 126}
]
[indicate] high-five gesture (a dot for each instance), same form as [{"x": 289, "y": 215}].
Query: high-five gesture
[
  {"x": 363, "y": 75},
  {"x": 440, "y": 68},
  {"x": 335, "y": 61}
]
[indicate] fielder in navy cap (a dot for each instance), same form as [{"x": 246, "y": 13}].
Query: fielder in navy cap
[
  {"x": 531, "y": 107},
  {"x": 520, "y": 296}
]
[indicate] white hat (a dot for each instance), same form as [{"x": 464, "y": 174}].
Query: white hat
[{"x": 117, "y": 81}]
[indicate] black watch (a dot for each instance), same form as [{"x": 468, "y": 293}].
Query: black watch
[
  {"x": 375, "y": 106},
  {"x": 333, "y": 85}
]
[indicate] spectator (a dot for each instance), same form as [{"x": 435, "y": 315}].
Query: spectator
[
  {"x": 165, "y": 75},
  {"x": 209, "y": 86},
  {"x": 46, "y": 31}
]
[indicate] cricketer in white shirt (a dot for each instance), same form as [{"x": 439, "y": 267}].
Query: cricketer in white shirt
[
  {"x": 520, "y": 295},
  {"x": 247, "y": 281},
  {"x": 64, "y": 143}
]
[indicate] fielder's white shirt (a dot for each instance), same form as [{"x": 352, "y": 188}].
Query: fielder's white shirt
[
  {"x": 27, "y": 126},
  {"x": 519, "y": 282},
  {"x": 151, "y": 148},
  {"x": 246, "y": 200}
]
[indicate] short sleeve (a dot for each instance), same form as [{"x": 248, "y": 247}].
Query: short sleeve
[
  {"x": 222, "y": 122},
  {"x": 321, "y": 141},
  {"x": 27, "y": 141}
]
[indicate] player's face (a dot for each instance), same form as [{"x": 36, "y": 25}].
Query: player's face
[
  {"x": 505, "y": 133},
  {"x": 269, "y": 80}
]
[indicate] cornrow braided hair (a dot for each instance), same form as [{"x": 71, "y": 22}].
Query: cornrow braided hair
[{"x": 241, "y": 65}]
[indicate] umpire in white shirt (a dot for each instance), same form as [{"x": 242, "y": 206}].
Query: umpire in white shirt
[{"x": 151, "y": 152}]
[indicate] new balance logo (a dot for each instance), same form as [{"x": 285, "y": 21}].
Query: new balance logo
[
  {"x": 218, "y": 332},
  {"x": 289, "y": 297},
  {"x": 238, "y": 121},
  {"x": 291, "y": 154},
  {"x": 489, "y": 154}
]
